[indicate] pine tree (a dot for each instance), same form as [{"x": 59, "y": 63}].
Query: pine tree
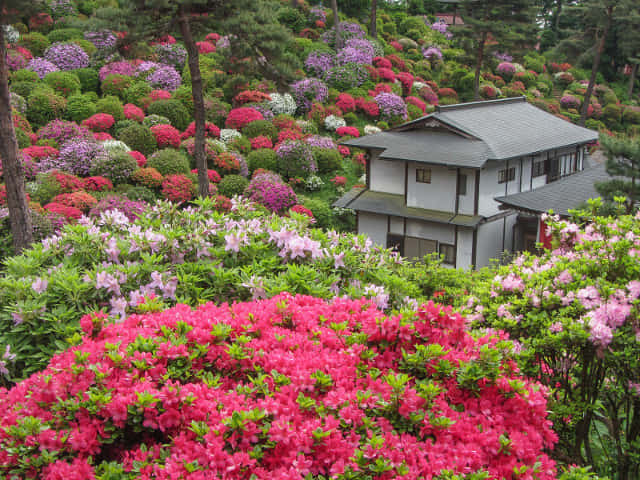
[
  {"x": 509, "y": 23},
  {"x": 623, "y": 165}
]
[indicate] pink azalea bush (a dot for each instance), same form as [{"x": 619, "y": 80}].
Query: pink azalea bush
[{"x": 281, "y": 388}]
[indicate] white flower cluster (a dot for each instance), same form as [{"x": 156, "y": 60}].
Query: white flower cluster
[
  {"x": 519, "y": 67},
  {"x": 306, "y": 126},
  {"x": 11, "y": 35},
  {"x": 332, "y": 123},
  {"x": 371, "y": 130},
  {"x": 215, "y": 143},
  {"x": 113, "y": 146},
  {"x": 228, "y": 134},
  {"x": 282, "y": 104},
  {"x": 417, "y": 86},
  {"x": 313, "y": 183}
]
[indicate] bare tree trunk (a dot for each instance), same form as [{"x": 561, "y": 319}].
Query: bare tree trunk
[
  {"x": 632, "y": 79},
  {"x": 479, "y": 60},
  {"x": 556, "y": 19},
  {"x": 198, "y": 104},
  {"x": 19, "y": 215},
  {"x": 373, "y": 24},
  {"x": 336, "y": 23},
  {"x": 594, "y": 69}
]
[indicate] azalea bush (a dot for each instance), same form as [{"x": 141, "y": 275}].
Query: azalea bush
[
  {"x": 292, "y": 387},
  {"x": 109, "y": 261},
  {"x": 575, "y": 312}
]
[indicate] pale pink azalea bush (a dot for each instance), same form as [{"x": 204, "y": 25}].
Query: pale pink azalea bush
[{"x": 281, "y": 388}]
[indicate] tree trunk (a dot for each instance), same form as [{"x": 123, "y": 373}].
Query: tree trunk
[
  {"x": 632, "y": 79},
  {"x": 594, "y": 69},
  {"x": 336, "y": 23},
  {"x": 373, "y": 27},
  {"x": 19, "y": 215},
  {"x": 479, "y": 59},
  {"x": 556, "y": 19},
  {"x": 198, "y": 104}
]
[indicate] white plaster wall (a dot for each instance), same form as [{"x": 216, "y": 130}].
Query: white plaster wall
[
  {"x": 465, "y": 202},
  {"x": 387, "y": 176},
  {"x": 442, "y": 233},
  {"x": 374, "y": 226},
  {"x": 542, "y": 179},
  {"x": 526, "y": 174},
  {"x": 396, "y": 225},
  {"x": 490, "y": 188},
  {"x": 440, "y": 194},
  {"x": 509, "y": 232},
  {"x": 465, "y": 248},
  {"x": 514, "y": 185},
  {"x": 489, "y": 242}
]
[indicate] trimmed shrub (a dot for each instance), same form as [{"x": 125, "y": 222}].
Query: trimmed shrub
[
  {"x": 232, "y": 185},
  {"x": 264, "y": 158},
  {"x": 268, "y": 189},
  {"x": 89, "y": 79},
  {"x": 116, "y": 85},
  {"x": 174, "y": 110},
  {"x": 111, "y": 105},
  {"x": 262, "y": 128},
  {"x": 327, "y": 159},
  {"x": 139, "y": 138},
  {"x": 117, "y": 166},
  {"x": 42, "y": 107},
  {"x": 177, "y": 188},
  {"x": 169, "y": 161},
  {"x": 79, "y": 108}
]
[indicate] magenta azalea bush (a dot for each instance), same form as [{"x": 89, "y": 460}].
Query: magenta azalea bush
[
  {"x": 268, "y": 189},
  {"x": 282, "y": 388}
]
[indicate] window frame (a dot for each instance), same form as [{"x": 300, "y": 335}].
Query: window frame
[
  {"x": 506, "y": 175},
  {"x": 421, "y": 174},
  {"x": 462, "y": 184},
  {"x": 445, "y": 259}
]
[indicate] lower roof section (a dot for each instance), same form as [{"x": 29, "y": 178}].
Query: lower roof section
[{"x": 383, "y": 203}]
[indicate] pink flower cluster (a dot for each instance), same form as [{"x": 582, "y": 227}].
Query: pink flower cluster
[{"x": 283, "y": 388}]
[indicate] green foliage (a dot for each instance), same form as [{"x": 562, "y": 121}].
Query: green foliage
[
  {"x": 63, "y": 83},
  {"x": 138, "y": 137},
  {"x": 117, "y": 166},
  {"x": 35, "y": 42},
  {"x": 261, "y": 128},
  {"x": 623, "y": 164},
  {"x": 136, "y": 92},
  {"x": 262, "y": 158},
  {"x": 89, "y": 79},
  {"x": 43, "y": 106},
  {"x": 116, "y": 85},
  {"x": 79, "y": 107},
  {"x": 327, "y": 160},
  {"x": 292, "y": 18},
  {"x": 232, "y": 185},
  {"x": 64, "y": 35},
  {"x": 111, "y": 105},
  {"x": 22, "y": 138},
  {"x": 169, "y": 161},
  {"x": 174, "y": 110},
  {"x": 24, "y": 76}
]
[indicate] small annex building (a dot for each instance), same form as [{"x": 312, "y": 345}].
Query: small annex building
[{"x": 432, "y": 183}]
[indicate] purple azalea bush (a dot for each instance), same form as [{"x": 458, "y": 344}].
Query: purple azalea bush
[
  {"x": 296, "y": 159},
  {"x": 171, "y": 54},
  {"x": 62, "y": 130},
  {"x": 318, "y": 62},
  {"x": 432, "y": 52},
  {"x": 129, "y": 208},
  {"x": 269, "y": 189},
  {"x": 67, "y": 56},
  {"x": 391, "y": 105},
  {"x": 309, "y": 90},
  {"x": 117, "y": 68},
  {"x": 318, "y": 141},
  {"x": 353, "y": 55},
  {"x": 76, "y": 156},
  {"x": 165, "y": 78},
  {"x": 102, "y": 40},
  {"x": 41, "y": 66}
]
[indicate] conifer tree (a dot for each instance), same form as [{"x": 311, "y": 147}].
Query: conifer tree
[
  {"x": 507, "y": 23},
  {"x": 623, "y": 164}
]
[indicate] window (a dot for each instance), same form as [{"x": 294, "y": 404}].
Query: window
[
  {"x": 539, "y": 168},
  {"x": 416, "y": 248},
  {"x": 507, "y": 175},
  {"x": 423, "y": 175},
  {"x": 448, "y": 253},
  {"x": 462, "y": 184}
]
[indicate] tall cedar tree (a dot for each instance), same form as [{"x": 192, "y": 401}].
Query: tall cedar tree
[
  {"x": 623, "y": 164},
  {"x": 498, "y": 24},
  {"x": 336, "y": 23},
  {"x": 629, "y": 44},
  {"x": 19, "y": 214}
]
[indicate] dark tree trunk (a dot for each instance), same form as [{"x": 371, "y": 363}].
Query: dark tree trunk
[
  {"x": 336, "y": 23},
  {"x": 632, "y": 79},
  {"x": 600, "y": 43},
  {"x": 373, "y": 26},
  {"x": 198, "y": 104},
  {"x": 479, "y": 60},
  {"x": 556, "y": 18},
  {"x": 19, "y": 215}
]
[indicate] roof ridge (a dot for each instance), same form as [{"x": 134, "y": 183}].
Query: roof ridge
[{"x": 479, "y": 103}]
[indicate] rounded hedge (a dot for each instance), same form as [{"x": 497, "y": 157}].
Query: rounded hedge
[
  {"x": 43, "y": 107},
  {"x": 327, "y": 160},
  {"x": 64, "y": 83},
  {"x": 232, "y": 185},
  {"x": 259, "y": 128},
  {"x": 138, "y": 137},
  {"x": 111, "y": 105},
  {"x": 89, "y": 79},
  {"x": 117, "y": 166},
  {"x": 174, "y": 110},
  {"x": 169, "y": 161},
  {"x": 264, "y": 158},
  {"x": 79, "y": 108}
]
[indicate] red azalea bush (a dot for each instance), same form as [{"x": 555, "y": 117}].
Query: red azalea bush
[
  {"x": 241, "y": 117},
  {"x": 214, "y": 177},
  {"x": 148, "y": 177},
  {"x": 210, "y": 130},
  {"x": 100, "y": 122},
  {"x": 406, "y": 80},
  {"x": 447, "y": 93},
  {"x": 177, "y": 188},
  {"x": 166, "y": 136},
  {"x": 303, "y": 210},
  {"x": 97, "y": 184},
  {"x": 396, "y": 46},
  {"x": 348, "y": 131},
  {"x": 227, "y": 162},
  {"x": 339, "y": 181},
  {"x": 68, "y": 183},
  {"x": 284, "y": 388},
  {"x": 261, "y": 142},
  {"x": 133, "y": 112},
  {"x": 289, "y": 134},
  {"x": 205, "y": 47},
  {"x": 251, "y": 96},
  {"x": 141, "y": 160},
  {"x": 382, "y": 62},
  {"x": 368, "y": 107},
  {"x": 344, "y": 151},
  {"x": 154, "y": 96},
  {"x": 417, "y": 102},
  {"x": 346, "y": 103},
  {"x": 102, "y": 136},
  {"x": 37, "y": 152},
  {"x": 70, "y": 213},
  {"x": 397, "y": 62},
  {"x": 386, "y": 74},
  {"x": 83, "y": 201}
]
